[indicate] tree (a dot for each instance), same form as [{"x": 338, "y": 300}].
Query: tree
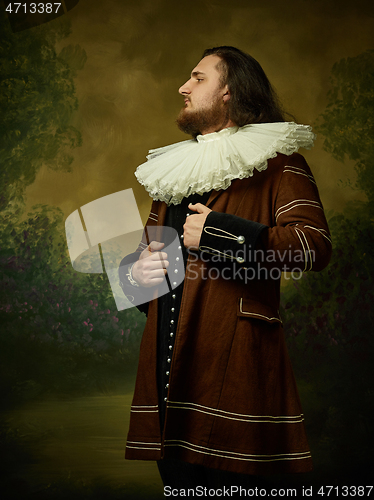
[
  {"x": 328, "y": 316},
  {"x": 37, "y": 101},
  {"x": 60, "y": 330},
  {"x": 348, "y": 122}
]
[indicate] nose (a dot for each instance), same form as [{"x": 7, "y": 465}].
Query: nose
[{"x": 184, "y": 89}]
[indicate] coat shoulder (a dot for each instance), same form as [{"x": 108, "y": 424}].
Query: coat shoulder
[{"x": 282, "y": 160}]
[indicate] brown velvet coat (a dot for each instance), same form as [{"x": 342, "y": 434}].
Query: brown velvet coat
[{"x": 232, "y": 401}]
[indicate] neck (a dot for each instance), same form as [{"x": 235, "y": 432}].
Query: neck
[{"x": 229, "y": 123}]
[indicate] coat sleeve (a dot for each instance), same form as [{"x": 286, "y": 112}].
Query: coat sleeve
[
  {"x": 300, "y": 237},
  {"x": 297, "y": 239}
]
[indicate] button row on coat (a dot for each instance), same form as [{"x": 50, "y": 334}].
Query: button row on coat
[
  {"x": 171, "y": 334},
  {"x": 176, "y": 271},
  {"x": 172, "y": 322}
]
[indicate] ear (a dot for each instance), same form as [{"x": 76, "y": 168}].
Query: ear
[{"x": 226, "y": 95}]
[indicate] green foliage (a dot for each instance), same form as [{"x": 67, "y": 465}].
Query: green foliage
[
  {"x": 329, "y": 323},
  {"x": 37, "y": 101},
  {"x": 337, "y": 301},
  {"x": 348, "y": 122},
  {"x": 329, "y": 316},
  {"x": 60, "y": 330}
]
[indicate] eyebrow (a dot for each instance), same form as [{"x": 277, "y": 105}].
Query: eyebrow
[{"x": 197, "y": 73}]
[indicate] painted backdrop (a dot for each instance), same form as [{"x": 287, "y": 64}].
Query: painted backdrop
[{"x": 83, "y": 98}]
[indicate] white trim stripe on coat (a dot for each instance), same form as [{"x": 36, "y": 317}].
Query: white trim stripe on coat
[
  {"x": 238, "y": 456},
  {"x": 299, "y": 171},
  {"x": 144, "y": 409},
  {"x": 297, "y": 203},
  {"x": 140, "y": 445},
  {"x": 273, "y": 419},
  {"x": 322, "y": 231}
]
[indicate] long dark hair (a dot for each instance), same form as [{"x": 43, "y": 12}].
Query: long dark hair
[{"x": 252, "y": 97}]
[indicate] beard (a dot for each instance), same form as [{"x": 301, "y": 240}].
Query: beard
[{"x": 194, "y": 122}]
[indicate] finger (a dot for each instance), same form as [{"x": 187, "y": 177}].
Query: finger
[
  {"x": 154, "y": 246},
  {"x": 198, "y": 207},
  {"x": 156, "y": 263},
  {"x": 149, "y": 277},
  {"x": 156, "y": 256},
  {"x": 154, "y": 281},
  {"x": 156, "y": 274}
]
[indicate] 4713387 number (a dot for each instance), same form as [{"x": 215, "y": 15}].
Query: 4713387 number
[
  {"x": 345, "y": 491},
  {"x": 33, "y": 8}
]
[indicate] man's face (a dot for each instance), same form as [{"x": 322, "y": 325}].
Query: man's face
[{"x": 205, "y": 108}]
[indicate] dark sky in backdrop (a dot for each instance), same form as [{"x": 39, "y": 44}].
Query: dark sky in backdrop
[{"x": 140, "y": 52}]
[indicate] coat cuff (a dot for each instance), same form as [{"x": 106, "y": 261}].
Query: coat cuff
[{"x": 230, "y": 237}]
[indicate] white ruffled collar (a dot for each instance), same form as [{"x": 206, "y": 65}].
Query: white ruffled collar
[{"x": 213, "y": 161}]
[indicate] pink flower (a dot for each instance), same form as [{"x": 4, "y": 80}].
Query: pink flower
[
  {"x": 69, "y": 309},
  {"x": 58, "y": 305},
  {"x": 85, "y": 323}
]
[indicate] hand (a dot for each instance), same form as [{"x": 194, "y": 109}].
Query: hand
[
  {"x": 194, "y": 224},
  {"x": 150, "y": 269}
]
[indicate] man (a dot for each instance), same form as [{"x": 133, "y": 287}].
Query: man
[{"x": 215, "y": 389}]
